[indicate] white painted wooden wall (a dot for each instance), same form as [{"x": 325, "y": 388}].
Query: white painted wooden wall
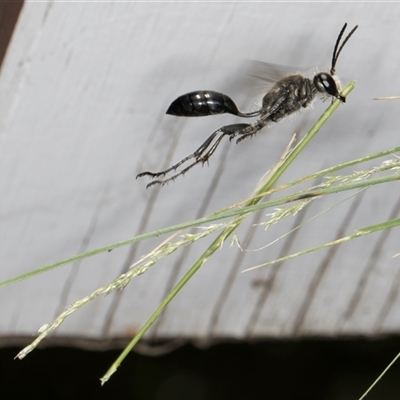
[{"x": 83, "y": 93}]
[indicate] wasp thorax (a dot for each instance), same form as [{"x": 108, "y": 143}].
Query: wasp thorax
[{"x": 326, "y": 84}]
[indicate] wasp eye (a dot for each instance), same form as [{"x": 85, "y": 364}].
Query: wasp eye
[{"x": 326, "y": 84}]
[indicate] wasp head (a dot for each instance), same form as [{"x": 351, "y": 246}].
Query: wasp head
[{"x": 326, "y": 84}]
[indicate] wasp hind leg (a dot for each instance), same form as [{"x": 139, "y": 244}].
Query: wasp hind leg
[
  {"x": 197, "y": 153},
  {"x": 201, "y": 155}
]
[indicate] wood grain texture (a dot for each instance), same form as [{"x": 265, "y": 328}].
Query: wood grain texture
[{"x": 83, "y": 93}]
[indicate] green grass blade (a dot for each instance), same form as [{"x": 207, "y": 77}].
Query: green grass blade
[
  {"x": 228, "y": 231},
  {"x": 360, "y": 232}
]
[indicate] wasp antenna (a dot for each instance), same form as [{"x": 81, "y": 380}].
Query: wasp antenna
[
  {"x": 336, "y": 52},
  {"x": 334, "y": 57}
]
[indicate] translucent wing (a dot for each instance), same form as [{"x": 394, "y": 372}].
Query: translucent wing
[
  {"x": 260, "y": 76},
  {"x": 267, "y": 72}
]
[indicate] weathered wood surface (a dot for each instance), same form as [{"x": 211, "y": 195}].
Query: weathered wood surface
[{"x": 83, "y": 93}]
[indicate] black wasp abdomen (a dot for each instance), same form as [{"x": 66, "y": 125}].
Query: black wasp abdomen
[{"x": 202, "y": 103}]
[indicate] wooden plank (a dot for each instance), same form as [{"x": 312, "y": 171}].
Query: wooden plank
[{"x": 83, "y": 93}]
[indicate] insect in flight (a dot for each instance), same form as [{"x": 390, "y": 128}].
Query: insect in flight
[{"x": 288, "y": 95}]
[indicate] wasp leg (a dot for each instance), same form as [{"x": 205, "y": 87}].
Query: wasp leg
[
  {"x": 252, "y": 129},
  {"x": 202, "y": 154},
  {"x": 197, "y": 153},
  {"x": 272, "y": 112},
  {"x": 250, "y": 114}
]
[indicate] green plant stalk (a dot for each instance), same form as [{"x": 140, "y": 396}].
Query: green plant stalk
[
  {"x": 226, "y": 213},
  {"x": 304, "y": 196},
  {"x": 360, "y": 232},
  {"x": 227, "y": 231},
  {"x": 330, "y": 170},
  {"x": 125, "y": 278},
  {"x": 380, "y": 377}
]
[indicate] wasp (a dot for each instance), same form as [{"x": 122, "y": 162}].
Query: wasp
[{"x": 288, "y": 95}]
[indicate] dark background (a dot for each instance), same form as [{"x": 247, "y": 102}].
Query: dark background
[{"x": 269, "y": 370}]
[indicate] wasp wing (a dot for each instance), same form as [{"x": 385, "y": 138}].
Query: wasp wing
[{"x": 260, "y": 76}]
